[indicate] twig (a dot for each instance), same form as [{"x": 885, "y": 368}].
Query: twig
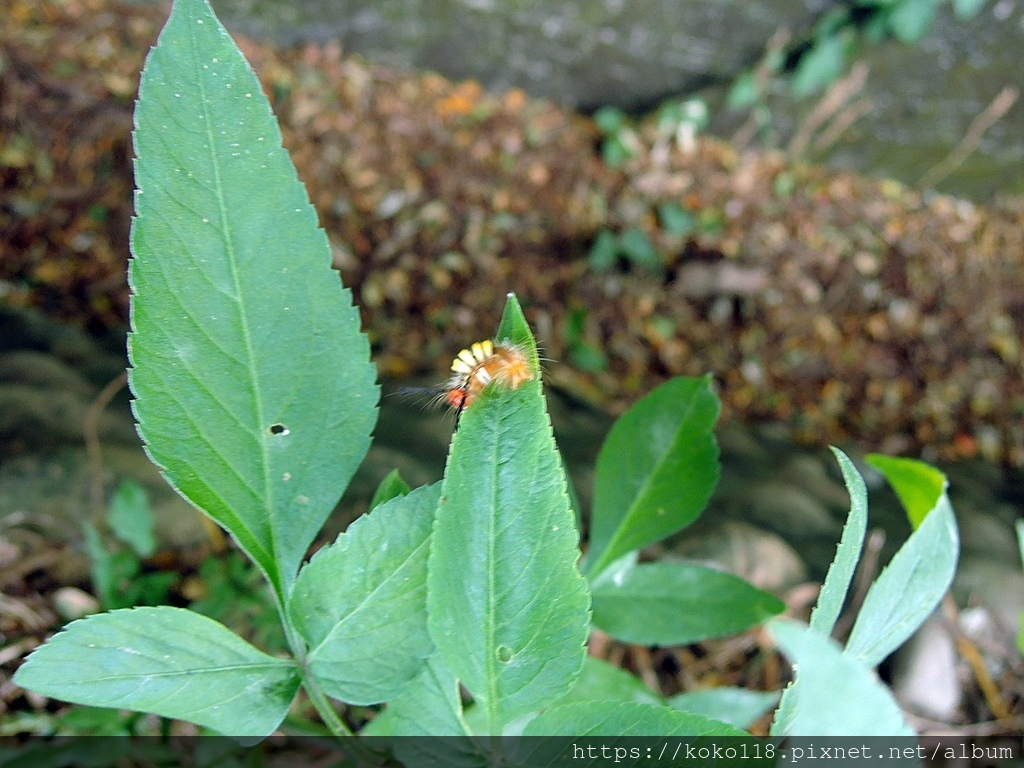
[
  {"x": 645, "y": 668},
  {"x": 925, "y": 727},
  {"x": 838, "y": 94},
  {"x": 37, "y": 561},
  {"x": 91, "y": 432},
  {"x": 971, "y": 653},
  {"x": 1000, "y": 106},
  {"x": 866, "y": 572},
  {"x": 762, "y": 74},
  {"x": 842, "y": 121}
]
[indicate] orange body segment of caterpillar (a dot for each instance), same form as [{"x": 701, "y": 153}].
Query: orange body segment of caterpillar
[{"x": 482, "y": 364}]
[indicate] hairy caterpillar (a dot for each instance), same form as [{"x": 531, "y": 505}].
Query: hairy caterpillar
[{"x": 484, "y": 363}]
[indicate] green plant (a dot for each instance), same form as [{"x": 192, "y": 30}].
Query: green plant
[
  {"x": 835, "y": 691},
  {"x": 810, "y": 63},
  {"x": 682, "y": 120},
  {"x": 675, "y": 219},
  {"x": 255, "y": 394},
  {"x": 116, "y": 568},
  {"x": 234, "y": 589},
  {"x": 813, "y": 63},
  {"x": 619, "y": 140},
  {"x": 632, "y": 245},
  {"x": 584, "y": 355},
  {"x": 235, "y": 594}
]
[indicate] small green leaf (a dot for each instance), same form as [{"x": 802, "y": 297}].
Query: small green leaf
[
  {"x": 253, "y": 386},
  {"x": 508, "y": 610},
  {"x": 167, "y": 661},
  {"x": 130, "y": 518},
  {"x": 695, "y": 112},
  {"x": 601, "y": 681},
  {"x": 834, "y": 694},
  {"x": 102, "y": 569},
  {"x": 609, "y": 119},
  {"x": 820, "y": 66},
  {"x": 1019, "y": 526},
  {"x": 615, "y": 150},
  {"x": 623, "y": 719},
  {"x": 910, "y": 20},
  {"x": 588, "y": 358},
  {"x": 360, "y": 603},
  {"x": 638, "y": 248},
  {"x": 672, "y": 603},
  {"x": 656, "y": 470},
  {"x": 876, "y": 30},
  {"x": 675, "y": 219},
  {"x": 784, "y": 184},
  {"x": 95, "y": 721},
  {"x": 668, "y": 116},
  {"x": 909, "y": 588},
  {"x": 150, "y": 589},
  {"x": 966, "y": 9},
  {"x": 918, "y": 485},
  {"x": 735, "y": 706},
  {"x": 390, "y": 487},
  {"x": 840, "y": 573},
  {"x": 837, "y": 18},
  {"x": 743, "y": 93},
  {"x": 604, "y": 251}
]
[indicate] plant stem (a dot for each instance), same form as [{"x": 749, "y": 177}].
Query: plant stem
[
  {"x": 324, "y": 708},
  {"x": 318, "y": 698},
  {"x": 353, "y": 744}
]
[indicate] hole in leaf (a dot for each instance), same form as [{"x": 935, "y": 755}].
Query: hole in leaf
[
  {"x": 504, "y": 653},
  {"x": 278, "y": 429}
]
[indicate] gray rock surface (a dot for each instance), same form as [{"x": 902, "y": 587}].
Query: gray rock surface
[
  {"x": 625, "y": 52},
  {"x": 922, "y": 100},
  {"x": 631, "y": 53}
]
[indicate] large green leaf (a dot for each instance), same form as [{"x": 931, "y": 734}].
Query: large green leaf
[
  {"x": 598, "y": 681},
  {"x": 656, "y": 470},
  {"x": 168, "y": 661},
  {"x": 910, "y": 587},
  {"x": 834, "y": 694},
  {"x": 672, "y": 603},
  {"x": 360, "y": 603},
  {"x": 600, "y": 732},
  {"x": 252, "y": 383},
  {"x": 622, "y": 719},
  {"x": 840, "y": 573},
  {"x": 508, "y": 608},
  {"x": 428, "y": 706}
]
